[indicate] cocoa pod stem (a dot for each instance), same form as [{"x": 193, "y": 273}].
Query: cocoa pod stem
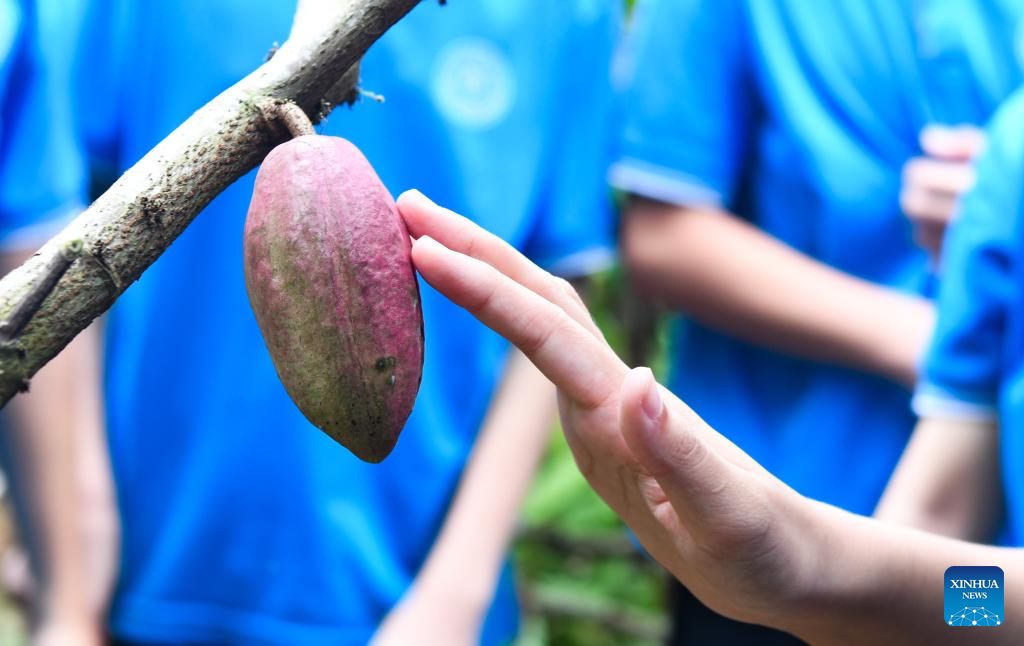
[{"x": 294, "y": 119}]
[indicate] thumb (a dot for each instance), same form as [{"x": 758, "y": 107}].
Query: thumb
[
  {"x": 690, "y": 472},
  {"x": 962, "y": 143}
]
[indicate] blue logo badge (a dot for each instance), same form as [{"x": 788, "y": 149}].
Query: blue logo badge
[{"x": 974, "y": 596}]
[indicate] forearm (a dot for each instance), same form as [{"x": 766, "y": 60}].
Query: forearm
[
  {"x": 51, "y": 429},
  {"x": 948, "y": 481},
  {"x": 883, "y": 584},
  {"x": 61, "y": 476},
  {"x": 100, "y": 530},
  {"x": 469, "y": 553},
  {"x": 731, "y": 276}
]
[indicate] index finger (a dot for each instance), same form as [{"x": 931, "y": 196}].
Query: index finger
[
  {"x": 425, "y": 218},
  {"x": 580, "y": 364}
]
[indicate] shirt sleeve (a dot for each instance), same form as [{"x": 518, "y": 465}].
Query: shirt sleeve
[
  {"x": 962, "y": 370},
  {"x": 42, "y": 170},
  {"x": 688, "y": 102},
  {"x": 573, "y": 233}
]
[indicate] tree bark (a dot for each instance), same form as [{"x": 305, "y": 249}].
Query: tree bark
[{"x": 130, "y": 225}]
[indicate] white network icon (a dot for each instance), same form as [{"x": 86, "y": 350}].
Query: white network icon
[{"x": 976, "y": 616}]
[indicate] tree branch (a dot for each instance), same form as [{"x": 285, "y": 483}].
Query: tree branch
[{"x": 130, "y": 225}]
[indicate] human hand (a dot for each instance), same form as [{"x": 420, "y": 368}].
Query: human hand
[
  {"x": 720, "y": 523},
  {"x": 934, "y": 183}
]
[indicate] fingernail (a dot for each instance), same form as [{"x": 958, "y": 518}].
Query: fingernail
[{"x": 651, "y": 403}]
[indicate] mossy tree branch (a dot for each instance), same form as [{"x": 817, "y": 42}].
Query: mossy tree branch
[{"x": 130, "y": 225}]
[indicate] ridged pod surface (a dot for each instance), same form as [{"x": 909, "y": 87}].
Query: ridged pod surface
[{"x": 330, "y": 279}]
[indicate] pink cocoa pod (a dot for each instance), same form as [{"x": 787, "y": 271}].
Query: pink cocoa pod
[{"x": 330, "y": 279}]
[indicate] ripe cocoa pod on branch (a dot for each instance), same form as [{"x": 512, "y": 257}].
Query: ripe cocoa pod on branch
[{"x": 330, "y": 279}]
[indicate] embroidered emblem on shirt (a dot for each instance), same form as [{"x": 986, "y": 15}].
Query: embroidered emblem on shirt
[{"x": 473, "y": 83}]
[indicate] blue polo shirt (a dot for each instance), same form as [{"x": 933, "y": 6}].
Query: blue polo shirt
[
  {"x": 41, "y": 169},
  {"x": 974, "y": 369},
  {"x": 241, "y": 522},
  {"x": 798, "y": 116}
]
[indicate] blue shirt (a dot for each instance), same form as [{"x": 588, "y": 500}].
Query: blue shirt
[
  {"x": 242, "y": 523},
  {"x": 798, "y": 116},
  {"x": 974, "y": 368},
  {"x": 41, "y": 170}
]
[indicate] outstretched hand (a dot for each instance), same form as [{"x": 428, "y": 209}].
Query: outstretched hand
[{"x": 720, "y": 523}]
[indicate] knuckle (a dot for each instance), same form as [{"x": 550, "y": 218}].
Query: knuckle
[
  {"x": 485, "y": 300},
  {"x": 688, "y": 451},
  {"x": 568, "y": 291},
  {"x": 563, "y": 285},
  {"x": 470, "y": 247},
  {"x": 538, "y": 328}
]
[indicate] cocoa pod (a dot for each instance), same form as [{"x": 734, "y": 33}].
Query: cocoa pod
[{"x": 330, "y": 279}]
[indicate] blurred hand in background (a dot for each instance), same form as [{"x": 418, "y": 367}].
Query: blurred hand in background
[{"x": 934, "y": 182}]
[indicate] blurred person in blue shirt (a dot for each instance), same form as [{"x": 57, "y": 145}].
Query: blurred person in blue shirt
[
  {"x": 768, "y": 148},
  {"x": 50, "y": 434},
  {"x": 240, "y": 522},
  {"x": 962, "y": 473}
]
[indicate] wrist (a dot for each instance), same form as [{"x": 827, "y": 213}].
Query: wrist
[
  {"x": 903, "y": 331},
  {"x": 839, "y": 579},
  {"x": 808, "y": 558}
]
